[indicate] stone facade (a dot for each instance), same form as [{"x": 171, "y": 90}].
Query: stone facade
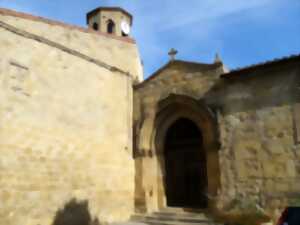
[
  {"x": 258, "y": 125},
  {"x": 257, "y": 115},
  {"x": 192, "y": 81},
  {"x": 77, "y": 124},
  {"x": 62, "y": 135}
]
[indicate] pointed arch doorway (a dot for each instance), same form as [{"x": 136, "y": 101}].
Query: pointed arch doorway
[
  {"x": 180, "y": 142},
  {"x": 185, "y": 165},
  {"x": 184, "y": 139}
]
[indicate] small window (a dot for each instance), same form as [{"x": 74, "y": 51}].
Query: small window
[
  {"x": 111, "y": 27},
  {"x": 95, "y": 26}
]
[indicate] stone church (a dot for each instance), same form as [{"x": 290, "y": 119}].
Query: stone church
[{"x": 79, "y": 123}]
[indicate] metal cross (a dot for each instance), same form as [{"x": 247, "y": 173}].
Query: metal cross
[{"x": 172, "y": 53}]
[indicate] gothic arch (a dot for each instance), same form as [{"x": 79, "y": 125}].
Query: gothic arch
[
  {"x": 176, "y": 106},
  {"x": 153, "y": 133}
]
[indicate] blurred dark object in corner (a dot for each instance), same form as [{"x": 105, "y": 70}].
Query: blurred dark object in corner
[{"x": 290, "y": 216}]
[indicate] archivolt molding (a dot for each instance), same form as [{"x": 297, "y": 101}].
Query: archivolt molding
[
  {"x": 167, "y": 111},
  {"x": 174, "y": 107},
  {"x": 155, "y": 127}
]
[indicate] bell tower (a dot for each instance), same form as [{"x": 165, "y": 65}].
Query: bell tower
[{"x": 110, "y": 20}]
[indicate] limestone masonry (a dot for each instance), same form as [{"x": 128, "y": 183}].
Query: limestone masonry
[{"x": 77, "y": 122}]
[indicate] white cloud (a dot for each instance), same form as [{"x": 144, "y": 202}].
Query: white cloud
[
  {"x": 169, "y": 15},
  {"x": 188, "y": 23}
]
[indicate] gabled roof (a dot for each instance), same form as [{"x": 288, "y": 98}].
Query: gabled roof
[
  {"x": 94, "y": 11},
  {"x": 239, "y": 72},
  {"x": 201, "y": 66},
  {"x": 8, "y": 12}
]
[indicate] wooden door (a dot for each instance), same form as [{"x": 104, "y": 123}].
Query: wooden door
[{"x": 186, "y": 175}]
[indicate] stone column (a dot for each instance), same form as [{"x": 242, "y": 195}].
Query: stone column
[{"x": 149, "y": 162}]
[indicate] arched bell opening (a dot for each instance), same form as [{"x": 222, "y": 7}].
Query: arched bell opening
[{"x": 111, "y": 27}]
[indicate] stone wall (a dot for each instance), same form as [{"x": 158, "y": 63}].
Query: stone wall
[
  {"x": 65, "y": 124},
  {"x": 259, "y": 156}
]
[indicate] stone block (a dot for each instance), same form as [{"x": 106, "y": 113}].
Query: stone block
[
  {"x": 291, "y": 170},
  {"x": 282, "y": 186},
  {"x": 277, "y": 121},
  {"x": 248, "y": 168},
  {"x": 273, "y": 146},
  {"x": 295, "y": 186},
  {"x": 273, "y": 169},
  {"x": 296, "y": 115},
  {"x": 232, "y": 121},
  {"x": 269, "y": 186},
  {"x": 247, "y": 149}
]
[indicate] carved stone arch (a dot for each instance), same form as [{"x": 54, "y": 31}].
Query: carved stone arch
[
  {"x": 175, "y": 106},
  {"x": 153, "y": 132}
]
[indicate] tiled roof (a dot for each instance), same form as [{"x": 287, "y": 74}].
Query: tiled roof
[
  {"x": 8, "y": 12},
  {"x": 248, "y": 69}
]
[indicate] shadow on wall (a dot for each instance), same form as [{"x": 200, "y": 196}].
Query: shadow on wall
[{"x": 75, "y": 213}]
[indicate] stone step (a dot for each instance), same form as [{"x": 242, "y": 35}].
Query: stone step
[
  {"x": 163, "y": 217},
  {"x": 158, "y": 222},
  {"x": 129, "y": 223},
  {"x": 174, "y": 217},
  {"x": 178, "y": 210},
  {"x": 182, "y": 214}
]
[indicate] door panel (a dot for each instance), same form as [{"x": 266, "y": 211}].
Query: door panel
[{"x": 186, "y": 175}]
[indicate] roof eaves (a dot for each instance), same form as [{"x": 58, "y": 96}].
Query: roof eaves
[
  {"x": 8, "y": 12},
  {"x": 248, "y": 69}
]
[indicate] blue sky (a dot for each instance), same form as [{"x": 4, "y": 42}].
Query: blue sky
[{"x": 243, "y": 32}]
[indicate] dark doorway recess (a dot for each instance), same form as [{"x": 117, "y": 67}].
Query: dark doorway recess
[
  {"x": 111, "y": 27},
  {"x": 95, "y": 26},
  {"x": 185, "y": 161}
]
